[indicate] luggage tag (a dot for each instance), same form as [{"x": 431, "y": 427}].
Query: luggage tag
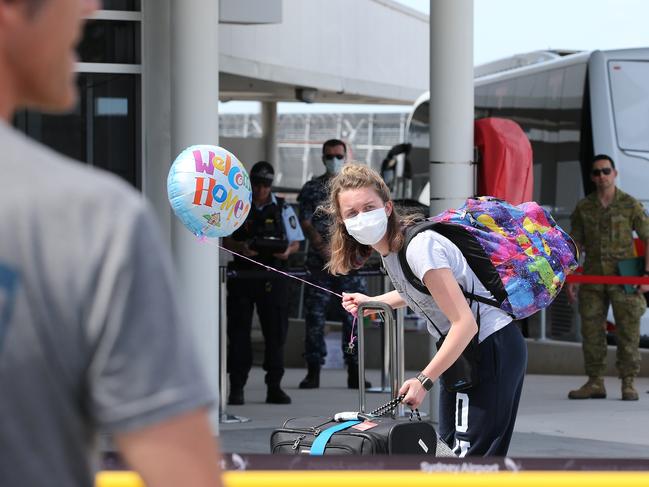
[{"x": 365, "y": 425}]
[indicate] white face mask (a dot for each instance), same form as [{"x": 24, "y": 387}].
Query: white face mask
[
  {"x": 368, "y": 227},
  {"x": 334, "y": 165}
]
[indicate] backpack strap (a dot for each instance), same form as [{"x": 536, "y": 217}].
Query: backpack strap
[{"x": 450, "y": 231}]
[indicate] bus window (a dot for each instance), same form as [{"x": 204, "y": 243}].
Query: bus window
[
  {"x": 555, "y": 85},
  {"x": 630, "y": 94},
  {"x": 570, "y": 187},
  {"x": 418, "y": 131}
]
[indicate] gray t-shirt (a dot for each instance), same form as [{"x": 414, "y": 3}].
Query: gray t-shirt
[
  {"x": 430, "y": 250},
  {"x": 90, "y": 337}
]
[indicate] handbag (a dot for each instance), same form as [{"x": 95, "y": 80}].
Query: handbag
[{"x": 464, "y": 373}]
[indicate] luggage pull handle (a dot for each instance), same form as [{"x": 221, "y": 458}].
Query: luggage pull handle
[{"x": 396, "y": 343}]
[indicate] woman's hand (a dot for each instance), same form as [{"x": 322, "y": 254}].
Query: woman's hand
[
  {"x": 414, "y": 392},
  {"x": 351, "y": 301}
]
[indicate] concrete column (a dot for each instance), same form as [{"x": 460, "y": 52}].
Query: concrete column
[
  {"x": 156, "y": 109},
  {"x": 195, "y": 120},
  {"x": 269, "y": 127},
  {"x": 451, "y": 103}
]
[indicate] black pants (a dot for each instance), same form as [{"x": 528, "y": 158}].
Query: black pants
[
  {"x": 480, "y": 420},
  {"x": 270, "y": 296}
]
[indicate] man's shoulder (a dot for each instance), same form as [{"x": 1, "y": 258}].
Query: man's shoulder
[
  {"x": 313, "y": 188},
  {"x": 625, "y": 198},
  {"x": 278, "y": 200},
  {"x": 588, "y": 203},
  {"x": 316, "y": 181}
]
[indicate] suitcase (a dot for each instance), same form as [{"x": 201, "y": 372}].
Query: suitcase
[
  {"x": 374, "y": 433},
  {"x": 376, "y": 436}
]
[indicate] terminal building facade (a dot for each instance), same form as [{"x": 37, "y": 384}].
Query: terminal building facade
[{"x": 151, "y": 73}]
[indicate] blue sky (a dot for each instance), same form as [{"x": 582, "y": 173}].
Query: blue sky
[{"x": 506, "y": 27}]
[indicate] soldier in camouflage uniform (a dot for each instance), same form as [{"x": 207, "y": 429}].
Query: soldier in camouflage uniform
[
  {"x": 602, "y": 225},
  {"x": 316, "y": 226}
]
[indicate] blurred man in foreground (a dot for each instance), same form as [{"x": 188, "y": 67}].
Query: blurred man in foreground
[{"x": 90, "y": 337}]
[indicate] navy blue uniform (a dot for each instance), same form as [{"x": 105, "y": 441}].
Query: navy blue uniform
[
  {"x": 480, "y": 421},
  {"x": 277, "y": 225},
  {"x": 314, "y": 194}
]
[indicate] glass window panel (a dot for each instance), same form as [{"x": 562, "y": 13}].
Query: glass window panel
[
  {"x": 102, "y": 130},
  {"x": 111, "y": 104},
  {"x": 315, "y": 165},
  {"x": 63, "y": 133},
  {"x": 555, "y": 85},
  {"x": 630, "y": 93},
  {"x": 524, "y": 87},
  {"x": 290, "y": 167},
  {"x": 132, "y": 5},
  {"x": 110, "y": 41}
]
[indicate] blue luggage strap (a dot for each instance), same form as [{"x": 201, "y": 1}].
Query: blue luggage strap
[{"x": 320, "y": 442}]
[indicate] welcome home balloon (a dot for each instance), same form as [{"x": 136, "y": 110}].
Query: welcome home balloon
[{"x": 209, "y": 190}]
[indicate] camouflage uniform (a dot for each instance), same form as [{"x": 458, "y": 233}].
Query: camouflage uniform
[
  {"x": 606, "y": 236},
  {"x": 313, "y": 194}
]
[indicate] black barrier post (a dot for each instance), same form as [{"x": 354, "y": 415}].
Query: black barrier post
[{"x": 224, "y": 417}]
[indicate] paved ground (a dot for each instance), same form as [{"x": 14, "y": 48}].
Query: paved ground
[{"x": 548, "y": 424}]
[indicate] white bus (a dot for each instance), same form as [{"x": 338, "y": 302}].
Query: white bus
[{"x": 571, "y": 105}]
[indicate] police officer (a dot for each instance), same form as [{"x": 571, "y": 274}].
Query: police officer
[
  {"x": 602, "y": 225},
  {"x": 269, "y": 235},
  {"x": 316, "y": 223}
]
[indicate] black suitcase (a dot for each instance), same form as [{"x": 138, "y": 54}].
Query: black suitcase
[{"x": 379, "y": 435}]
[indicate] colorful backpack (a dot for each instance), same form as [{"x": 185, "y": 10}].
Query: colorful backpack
[{"x": 518, "y": 252}]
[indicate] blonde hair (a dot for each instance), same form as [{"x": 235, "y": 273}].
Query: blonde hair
[{"x": 346, "y": 253}]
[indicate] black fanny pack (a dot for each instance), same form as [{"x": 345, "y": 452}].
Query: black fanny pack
[
  {"x": 464, "y": 373},
  {"x": 268, "y": 245}
]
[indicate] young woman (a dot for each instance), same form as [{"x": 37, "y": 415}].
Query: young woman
[{"x": 476, "y": 421}]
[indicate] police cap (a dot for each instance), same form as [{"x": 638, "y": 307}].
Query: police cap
[{"x": 262, "y": 171}]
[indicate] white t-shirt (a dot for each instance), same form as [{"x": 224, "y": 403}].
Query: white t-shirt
[{"x": 430, "y": 250}]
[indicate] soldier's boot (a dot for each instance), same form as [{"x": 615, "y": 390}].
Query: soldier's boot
[
  {"x": 352, "y": 377},
  {"x": 593, "y": 389},
  {"x": 628, "y": 391},
  {"x": 312, "y": 379}
]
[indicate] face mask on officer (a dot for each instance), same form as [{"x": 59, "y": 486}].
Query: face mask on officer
[
  {"x": 333, "y": 163},
  {"x": 368, "y": 227}
]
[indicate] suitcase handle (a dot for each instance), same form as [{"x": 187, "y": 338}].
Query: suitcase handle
[
  {"x": 395, "y": 339},
  {"x": 391, "y": 405}
]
